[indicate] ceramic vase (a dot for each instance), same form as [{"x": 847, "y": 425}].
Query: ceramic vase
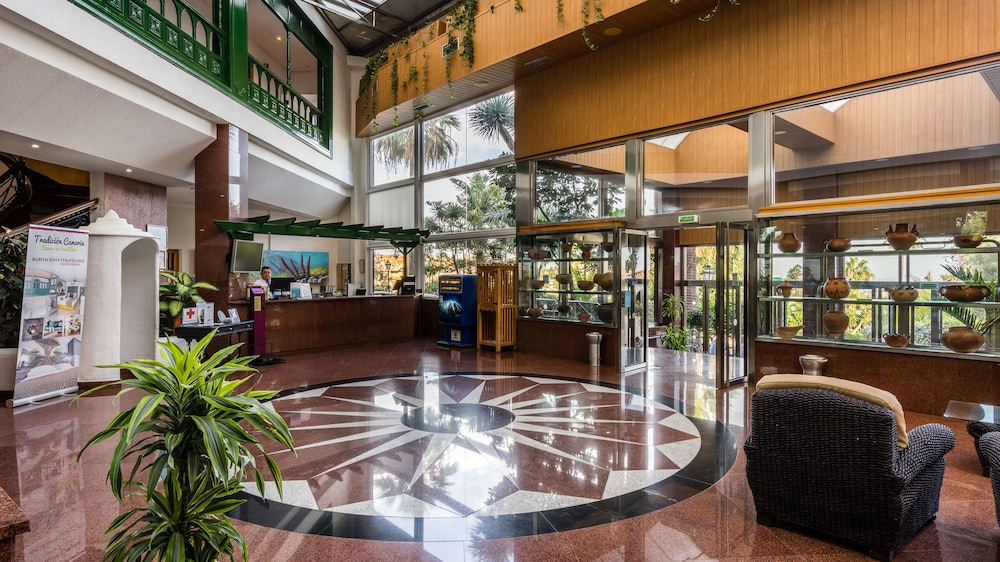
[
  {"x": 837, "y": 287},
  {"x": 896, "y": 340},
  {"x": 606, "y": 312},
  {"x": 967, "y": 240},
  {"x": 902, "y": 237},
  {"x": 789, "y": 243},
  {"x": 903, "y": 294},
  {"x": 785, "y": 289},
  {"x": 962, "y": 339},
  {"x": 838, "y": 245},
  {"x": 835, "y": 322},
  {"x": 965, "y": 293}
]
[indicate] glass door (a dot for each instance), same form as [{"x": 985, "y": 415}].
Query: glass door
[
  {"x": 634, "y": 256},
  {"x": 731, "y": 303}
]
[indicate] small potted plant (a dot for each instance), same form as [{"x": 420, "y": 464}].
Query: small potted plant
[
  {"x": 973, "y": 229},
  {"x": 181, "y": 291},
  {"x": 973, "y": 286},
  {"x": 186, "y": 448},
  {"x": 672, "y": 336}
]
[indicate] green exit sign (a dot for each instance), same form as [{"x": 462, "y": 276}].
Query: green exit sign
[{"x": 687, "y": 219}]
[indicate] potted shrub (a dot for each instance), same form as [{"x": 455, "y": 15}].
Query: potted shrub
[
  {"x": 189, "y": 449},
  {"x": 179, "y": 292},
  {"x": 672, "y": 336},
  {"x": 13, "y": 251}
]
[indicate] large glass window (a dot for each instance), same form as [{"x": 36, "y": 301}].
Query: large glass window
[
  {"x": 584, "y": 185},
  {"x": 937, "y": 134},
  {"x": 462, "y": 256},
  {"x": 478, "y": 133},
  {"x": 393, "y": 157},
  {"x": 392, "y": 207},
  {"x": 471, "y": 202},
  {"x": 694, "y": 170}
]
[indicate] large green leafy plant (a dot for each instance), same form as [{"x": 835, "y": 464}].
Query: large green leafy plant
[
  {"x": 185, "y": 448},
  {"x": 13, "y": 250},
  {"x": 181, "y": 291}
]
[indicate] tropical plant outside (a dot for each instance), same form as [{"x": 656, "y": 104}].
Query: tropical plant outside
[
  {"x": 185, "y": 449},
  {"x": 674, "y": 336}
]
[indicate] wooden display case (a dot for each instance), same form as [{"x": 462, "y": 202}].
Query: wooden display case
[{"x": 497, "y": 320}]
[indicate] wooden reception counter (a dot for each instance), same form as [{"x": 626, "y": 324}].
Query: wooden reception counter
[{"x": 317, "y": 323}]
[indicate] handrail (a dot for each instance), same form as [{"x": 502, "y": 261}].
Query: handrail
[{"x": 57, "y": 217}]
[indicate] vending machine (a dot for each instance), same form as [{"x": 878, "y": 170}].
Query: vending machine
[{"x": 457, "y": 309}]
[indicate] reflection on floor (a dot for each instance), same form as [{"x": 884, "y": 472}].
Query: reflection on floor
[{"x": 456, "y": 437}]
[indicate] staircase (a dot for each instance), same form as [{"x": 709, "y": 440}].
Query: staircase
[{"x": 30, "y": 197}]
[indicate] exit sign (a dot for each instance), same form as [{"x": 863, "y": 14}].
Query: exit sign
[{"x": 687, "y": 219}]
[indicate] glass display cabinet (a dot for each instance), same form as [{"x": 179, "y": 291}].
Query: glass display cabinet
[
  {"x": 919, "y": 279},
  {"x": 592, "y": 274}
]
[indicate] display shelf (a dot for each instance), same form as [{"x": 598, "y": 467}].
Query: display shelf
[
  {"x": 885, "y": 302},
  {"x": 882, "y": 251},
  {"x": 497, "y": 306}
]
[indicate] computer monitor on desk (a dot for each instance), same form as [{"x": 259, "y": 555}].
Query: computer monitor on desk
[
  {"x": 281, "y": 285},
  {"x": 360, "y": 292}
]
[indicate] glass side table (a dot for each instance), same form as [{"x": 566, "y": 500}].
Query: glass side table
[{"x": 980, "y": 420}]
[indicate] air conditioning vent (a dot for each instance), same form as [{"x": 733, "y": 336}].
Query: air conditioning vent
[
  {"x": 538, "y": 62},
  {"x": 449, "y": 48}
]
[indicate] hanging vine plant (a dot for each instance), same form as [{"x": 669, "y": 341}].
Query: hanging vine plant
[
  {"x": 559, "y": 10},
  {"x": 462, "y": 18},
  {"x": 369, "y": 108},
  {"x": 585, "y": 12},
  {"x": 394, "y": 90}
]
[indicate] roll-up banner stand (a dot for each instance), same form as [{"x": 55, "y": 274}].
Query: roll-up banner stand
[{"x": 55, "y": 277}]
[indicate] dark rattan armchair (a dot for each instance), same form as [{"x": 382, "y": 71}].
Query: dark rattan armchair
[
  {"x": 989, "y": 449},
  {"x": 836, "y": 464}
]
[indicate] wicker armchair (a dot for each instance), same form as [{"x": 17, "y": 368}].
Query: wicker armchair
[
  {"x": 989, "y": 448},
  {"x": 833, "y": 463}
]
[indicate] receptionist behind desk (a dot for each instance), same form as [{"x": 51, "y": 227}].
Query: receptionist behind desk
[{"x": 265, "y": 280}]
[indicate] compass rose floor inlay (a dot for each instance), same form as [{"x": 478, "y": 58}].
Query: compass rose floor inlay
[{"x": 458, "y": 456}]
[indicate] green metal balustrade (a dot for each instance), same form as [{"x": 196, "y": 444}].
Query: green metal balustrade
[{"x": 215, "y": 48}]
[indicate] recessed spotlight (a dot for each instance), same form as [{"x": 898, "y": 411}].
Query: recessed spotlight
[
  {"x": 34, "y": 146},
  {"x": 128, "y": 170},
  {"x": 575, "y": 166},
  {"x": 779, "y": 132},
  {"x": 709, "y": 181},
  {"x": 279, "y": 38},
  {"x": 482, "y": 83},
  {"x": 612, "y": 31}
]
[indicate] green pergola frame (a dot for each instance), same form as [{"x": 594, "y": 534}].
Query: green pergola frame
[{"x": 397, "y": 236}]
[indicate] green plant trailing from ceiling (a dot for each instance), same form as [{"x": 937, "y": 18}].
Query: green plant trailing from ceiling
[
  {"x": 369, "y": 108},
  {"x": 462, "y": 18},
  {"x": 13, "y": 252},
  {"x": 711, "y": 13},
  {"x": 189, "y": 443},
  {"x": 559, "y": 10},
  {"x": 181, "y": 291},
  {"x": 394, "y": 90}
]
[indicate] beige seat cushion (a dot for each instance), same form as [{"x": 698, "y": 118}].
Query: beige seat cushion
[{"x": 857, "y": 390}]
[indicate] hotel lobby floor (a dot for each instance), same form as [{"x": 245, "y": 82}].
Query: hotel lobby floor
[{"x": 495, "y": 457}]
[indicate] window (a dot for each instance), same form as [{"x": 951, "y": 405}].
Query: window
[
  {"x": 479, "y": 133},
  {"x": 471, "y": 202},
  {"x": 393, "y": 157},
  {"x": 584, "y": 185}
]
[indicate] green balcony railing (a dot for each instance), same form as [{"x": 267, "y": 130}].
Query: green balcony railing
[{"x": 200, "y": 44}]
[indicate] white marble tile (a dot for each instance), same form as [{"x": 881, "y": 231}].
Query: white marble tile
[
  {"x": 624, "y": 481},
  {"x": 681, "y": 452},
  {"x": 524, "y": 501},
  {"x": 401, "y": 505},
  {"x": 294, "y": 492}
]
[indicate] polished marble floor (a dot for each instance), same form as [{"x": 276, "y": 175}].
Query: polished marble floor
[{"x": 430, "y": 453}]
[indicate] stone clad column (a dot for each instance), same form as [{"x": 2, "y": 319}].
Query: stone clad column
[{"x": 220, "y": 192}]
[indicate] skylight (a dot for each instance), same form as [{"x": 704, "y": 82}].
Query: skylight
[
  {"x": 670, "y": 141},
  {"x": 833, "y": 106},
  {"x": 352, "y": 9}
]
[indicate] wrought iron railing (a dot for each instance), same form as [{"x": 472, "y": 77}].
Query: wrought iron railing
[{"x": 181, "y": 33}]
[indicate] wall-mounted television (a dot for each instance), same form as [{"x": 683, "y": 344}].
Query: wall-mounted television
[{"x": 246, "y": 257}]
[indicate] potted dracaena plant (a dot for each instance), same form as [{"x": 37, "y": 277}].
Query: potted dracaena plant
[
  {"x": 179, "y": 292},
  {"x": 185, "y": 449}
]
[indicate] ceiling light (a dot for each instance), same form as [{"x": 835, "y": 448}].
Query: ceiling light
[
  {"x": 977, "y": 147},
  {"x": 780, "y": 132},
  {"x": 538, "y": 62},
  {"x": 482, "y": 83},
  {"x": 278, "y": 38},
  {"x": 128, "y": 170},
  {"x": 576, "y": 166},
  {"x": 881, "y": 159},
  {"x": 612, "y": 31},
  {"x": 34, "y": 146}
]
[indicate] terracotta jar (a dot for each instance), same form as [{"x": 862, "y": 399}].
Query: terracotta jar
[
  {"x": 564, "y": 278},
  {"x": 901, "y": 238},
  {"x": 896, "y": 340},
  {"x": 606, "y": 312},
  {"x": 839, "y": 245},
  {"x": 835, "y": 323},
  {"x": 585, "y": 250},
  {"x": 789, "y": 243},
  {"x": 535, "y": 312},
  {"x": 785, "y": 289},
  {"x": 962, "y": 339},
  {"x": 837, "y": 287},
  {"x": 967, "y": 240},
  {"x": 965, "y": 293},
  {"x": 583, "y": 317},
  {"x": 787, "y": 332},
  {"x": 903, "y": 294}
]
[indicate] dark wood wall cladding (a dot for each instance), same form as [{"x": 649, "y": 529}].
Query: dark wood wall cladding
[
  {"x": 922, "y": 383},
  {"x": 762, "y": 54}
]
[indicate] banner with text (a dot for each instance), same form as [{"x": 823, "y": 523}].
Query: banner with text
[{"x": 55, "y": 277}]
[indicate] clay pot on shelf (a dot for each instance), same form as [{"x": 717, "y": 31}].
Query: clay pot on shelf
[
  {"x": 537, "y": 254},
  {"x": 785, "y": 289},
  {"x": 537, "y": 284},
  {"x": 838, "y": 245},
  {"x": 789, "y": 243},
  {"x": 606, "y": 312},
  {"x": 605, "y": 280},
  {"x": 903, "y": 294},
  {"x": 835, "y": 323},
  {"x": 585, "y": 285},
  {"x": 967, "y": 240},
  {"x": 837, "y": 287},
  {"x": 563, "y": 308},
  {"x": 787, "y": 332},
  {"x": 535, "y": 312},
  {"x": 965, "y": 293},
  {"x": 585, "y": 250},
  {"x": 583, "y": 317},
  {"x": 901, "y": 238},
  {"x": 896, "y": 340},
  {"x": 607, "y": 246},
  {"x": 962, "y": 339},
  {"x": 564, "y": 278},
  {"x": 566, "y": 247}
]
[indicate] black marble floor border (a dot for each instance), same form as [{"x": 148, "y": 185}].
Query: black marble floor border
[{"x": 714, "y": 459}]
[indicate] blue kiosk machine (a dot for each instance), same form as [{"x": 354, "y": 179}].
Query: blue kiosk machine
[{"x": 457, "y": 309}]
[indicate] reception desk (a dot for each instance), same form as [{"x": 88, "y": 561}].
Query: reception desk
[{"x": 312, "y": 324}]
